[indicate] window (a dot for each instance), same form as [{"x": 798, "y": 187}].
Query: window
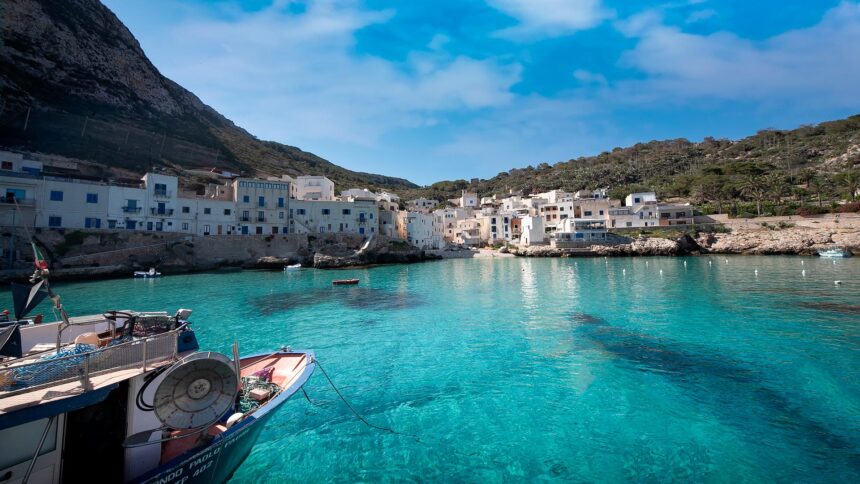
[
  {"x": 184, "y": 225},
  {"x": 285, "y": 230},
  {"x": 246, "y": 199},
  {"x": 207, "y": 211},
  {"x": 148, "y": 225},
  {"x": 347, "y": 211},
  {"x": 259, "y": 230},
  {"x": 629, "y": 224},
  {"x": 92, "y": 223},
  {"x": 54, "y": 221},
  {"x": 7, "y": 165},
  {"x": 227, "y": 211},
  {"x": 600, "y": 212},
  {"x": 186, "y": 209},
  {"x": 637, "y": 200},
  {"x": 587, "y": 213},
  {"x": 326, "y": 211},
  {"x": 131, "y": 224},
  {"x": 274, "y": 230},
  {"x": 281, "y": 215},
  {"x": 261, "y": 201},
  {"x": 300, "y": 211},
  {"x": 56, "y": 196},
  {"x": 206, "y": 230},
  {"x": 111, "y": 224},
  {"x": 280, "y": 202},
  {"x": 160, "y": 190},
  {"x": 371, "y": 216},
  {"x": 92, "y": 198}
]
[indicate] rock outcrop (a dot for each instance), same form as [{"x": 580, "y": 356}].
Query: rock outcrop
[{"x": 796, "y": 240}]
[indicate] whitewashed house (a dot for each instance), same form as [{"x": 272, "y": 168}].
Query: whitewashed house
[
  {"x": 319, "y": 217},
  {"x": 532, "y": 230}
]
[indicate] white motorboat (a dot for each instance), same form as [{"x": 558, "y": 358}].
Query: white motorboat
[
  {"x": 147, "y": 274},
  {"x": 293, "y": 267},
  {"x": 835, "y": 253}
]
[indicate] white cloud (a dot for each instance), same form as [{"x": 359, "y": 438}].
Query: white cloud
[
  {"x": 588, "y": 77},
  {"x": 701, "y": 15},
  {"x": 297, "y": 77},
  {"x": 539, "y": 18},
  {"x": 819, "y": 64}
]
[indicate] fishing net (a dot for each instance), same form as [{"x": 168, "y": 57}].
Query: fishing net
[
  {"x": 259, "y": 380},
  {"x": 65, "y": 364}
]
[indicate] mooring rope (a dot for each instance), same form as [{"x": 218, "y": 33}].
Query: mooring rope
[{"x": 361, "y": 418}]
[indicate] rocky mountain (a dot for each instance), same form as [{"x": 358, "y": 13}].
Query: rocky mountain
[{"x": 75, "y": 82}]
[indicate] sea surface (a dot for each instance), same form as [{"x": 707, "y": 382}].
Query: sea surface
[{"x": 714, "y": 369}]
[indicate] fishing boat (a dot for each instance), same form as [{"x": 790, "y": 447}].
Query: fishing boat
[
  {"x": 344, "y": 282},
  {"x": 293, "y": 267},
  {"x": 147, "y": 274},
  {"x": 834, "y": 253},
  {"x": 128, "y": 397}
]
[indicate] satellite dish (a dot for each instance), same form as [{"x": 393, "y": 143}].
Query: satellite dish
[{"x": 196, "y": 391}]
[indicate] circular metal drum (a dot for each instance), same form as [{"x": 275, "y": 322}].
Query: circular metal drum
[{"x": 196, "y": 391}]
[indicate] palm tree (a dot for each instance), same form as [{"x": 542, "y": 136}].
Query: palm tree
[
  {"x": 850, "y": 179},
  {"x": 756, "y": 188},
  {"x": 816, "y": 185}
]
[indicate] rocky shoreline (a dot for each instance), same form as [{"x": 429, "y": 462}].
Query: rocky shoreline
[
  {"x": 111, "y": 255},
  {"x": 788, "y": 241}
]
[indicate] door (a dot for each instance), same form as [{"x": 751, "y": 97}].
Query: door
[
  {"x": 219, "y": 230},
  {"x": 161, "y": 208},
  {"x": 244, "y": 230}
]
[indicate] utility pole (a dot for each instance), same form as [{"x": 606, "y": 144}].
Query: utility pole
[{"x": 27, "y": 119}]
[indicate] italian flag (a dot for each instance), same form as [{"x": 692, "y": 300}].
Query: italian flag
[{"x": 38, "y": 258}]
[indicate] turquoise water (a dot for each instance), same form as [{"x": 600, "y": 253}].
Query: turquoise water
[{"x": 545, "y": 369}]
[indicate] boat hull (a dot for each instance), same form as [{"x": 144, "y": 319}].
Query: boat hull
[{"x": 218, "y": 461}]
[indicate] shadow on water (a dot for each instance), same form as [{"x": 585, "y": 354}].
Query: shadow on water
[
  {"x": 831, "y": 306},
  {"x": 731, "y": 390},
  {"x": 364, "y": 298}
]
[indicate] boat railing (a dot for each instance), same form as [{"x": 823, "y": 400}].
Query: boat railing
[{"x": 80, "y": 372}]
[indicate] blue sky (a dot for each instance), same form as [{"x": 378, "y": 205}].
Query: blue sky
[{"x": 468, "y": 88}]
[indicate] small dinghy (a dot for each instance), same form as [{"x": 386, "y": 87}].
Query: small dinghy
[
  {"x": 345, "y": 282},
  {"x": 835, "y": 253},
  {"x": 147, "y": 274},
  {"x": 293, "y": 267}
]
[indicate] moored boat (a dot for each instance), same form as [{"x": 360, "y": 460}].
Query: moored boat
[
  {"x": 293, "y": 267},
  {"x": 344, "y": 282},
  {"x": 132, "y": 390},
  {"x": 147, "y": 274},
  {"x": 834, "y": 252}
]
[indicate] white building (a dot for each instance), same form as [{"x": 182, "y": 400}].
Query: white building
[
  {"x": 447, "y": 221},
  {"x": 388, "y": 201},
  {"x": 357, "y": 194},
  {"x": 421, "y": 205},
  {"x": 573, "y": 232},
  {"x": 532, "y": 230},
  {"x": 319, "y": 217},
  {"x": 262, "y": 206},
  {"x": 640, "y": 198},
  {"x": 418, "y": 229},
  {"x": 468, "y": 199},
  {"x": 313, "y": 188}
]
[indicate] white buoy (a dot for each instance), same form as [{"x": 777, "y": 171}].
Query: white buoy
[
  {"x": 801, "y": 262},
  {"x": 685, "y": 264},
  {"x": 710, "y": 262},
  {"x": 803, "y": 273},
  {"x": 661, "y": 272},
  {"x": 646, "y": 263},
  {"x": 624, "y": 272},
  {"x": 727, "y": 261},
  {"x": 834, "y": 262}
]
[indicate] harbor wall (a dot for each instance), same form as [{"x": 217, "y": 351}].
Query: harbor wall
[{"x": 105, "y": 253}]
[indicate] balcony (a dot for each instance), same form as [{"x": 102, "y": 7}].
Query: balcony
[
  {"x": 161, "y": 213},
  {"x": 261, "y": 219},
  {"x": 161, "y": 194},
  {"x": 244, "y": 218},
  {"x": 132, "y": 209}
]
